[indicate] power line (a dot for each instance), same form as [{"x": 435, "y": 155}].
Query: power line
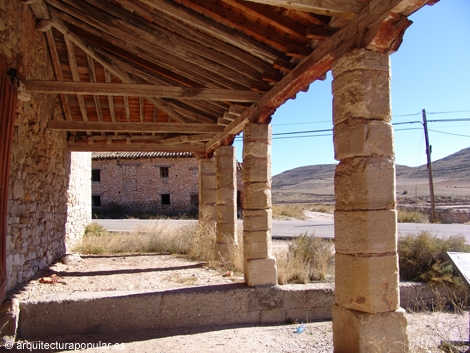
[{"x": 448, "y": 133}]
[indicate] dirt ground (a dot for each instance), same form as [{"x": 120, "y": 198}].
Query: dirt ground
[{"x": 140, "y": 273}]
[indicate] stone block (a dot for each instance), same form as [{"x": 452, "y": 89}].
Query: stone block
[
  {"x": 256, "y": 150},
  {"x": 257, "y": 170},
  {"x": 261, "y": 272},
  {"x": 226, "y": 214},
  {"x": 206, "y": 166},
  {"x": 207, "y": 181},
  {"x": 255, "y": 220},
  {"x": 257, "y": 244},
  {"x": 365, "y": 232},
  {"x": 361, "y": 59},
  {"x": 359, "y": 138},
  {"x": 365, "y": 184},
  {"x": 354, "y": 331},
  {"x": 362, "y": 94},
  {"x": 257, "y": 132},
  {"x": 226, "y": 196},
  {"x": 257, "y": 196},
  {"x": 225, "y": 151},
  {"x": 226, "y": 232},
  {"x": 367, "y": 283}
]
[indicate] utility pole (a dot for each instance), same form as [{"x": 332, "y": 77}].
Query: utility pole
[{"x": 428, "y": 153}]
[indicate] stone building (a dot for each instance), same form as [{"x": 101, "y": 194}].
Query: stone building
[
  {"x": 148, "y": 182},
  {"x": 163, "y": 183},
  {"x": 188, "y": 76}
]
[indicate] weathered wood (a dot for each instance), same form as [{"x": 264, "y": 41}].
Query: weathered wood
[
  {"x": 223, "y": 122},
  {"x": 319, "y": 32},
  {"x": 342, "y": 8},
  {"x": 43, "y": 25},
  {"x": 292, "y": 28},
  {"x": 284, "y": 65},
  {"x": 91, "y": 68},
  {"x": 58, "y": 72},
  {"x": 39, "y": 9},
  {"x": 229, "y": 116},
  {"x": 297, "y": 51},
  {"x": 187, "y": 138},
  {"x": 267, "y": 77},
  {"x": 320, "y": 61},
  {"x": 220, "y": 32},
  {"x": 141, "y": 90},
  {"x": 236, "y": 110},
  {"x": 220, "y": 14},
  {"x": 112, "y": 110},
  {"x": 133, "y": 127}
]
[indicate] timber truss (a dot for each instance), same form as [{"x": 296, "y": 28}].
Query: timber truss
[{"x": 187, "y": 75}]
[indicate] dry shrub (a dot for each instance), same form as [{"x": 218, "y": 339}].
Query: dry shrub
[
  {"x": 330, "y": 209},
  {"x": 308, "y": 259},
  {"x": 234, "y": 260},
  {"x": 411, "y": 216},
  {"x": 423, "y": 257},
  {"x": 202, "y": 246},
  {"x": 288, "y": 210},
  {"x": 160, "y": 237}
]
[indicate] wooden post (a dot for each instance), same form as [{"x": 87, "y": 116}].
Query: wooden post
[{"x": 428, "y": 154}]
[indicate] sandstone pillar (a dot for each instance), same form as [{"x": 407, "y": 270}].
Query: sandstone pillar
[
  {"x": 226, "y": 200},
  {"x": 260, "y": 265},
  {"x": 366, "y": 316},
  {"x": 207, "y": 198}
]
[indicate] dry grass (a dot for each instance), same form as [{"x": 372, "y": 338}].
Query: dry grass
[
  {"x": 307, "y": 259},
  {"x": 158, "y": 238},
  {"x": 323, "y": 208},
  {"x": 411, "y": 216},
  {"x": 288, "y": 210}
]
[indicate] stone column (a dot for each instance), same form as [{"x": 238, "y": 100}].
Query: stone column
[
  {"x": 207, "y": 197},
  {"x": 260, "y": 265},
  {"x": 226, "y": 196},
  {"x": 366, "y": 316}
]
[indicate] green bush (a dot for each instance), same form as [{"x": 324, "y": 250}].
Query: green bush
[{"x": 423, "y": 257}]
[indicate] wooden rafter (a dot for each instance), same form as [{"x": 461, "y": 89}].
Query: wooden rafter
[
  {"x": 141, "y": 90},
  {"x": 341, "y": 8},
  {"x": 132, "y": 127},
  {"x": 365, "y": 26},
  {"x": 85, "y": 146}
]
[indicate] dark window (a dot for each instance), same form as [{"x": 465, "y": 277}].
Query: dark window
[
  {"x": 96, "y": 175},
  {"x": 96, "y": 201},
  {"x": 165, "y": 199},
  {"x": 164, "y": 172}
]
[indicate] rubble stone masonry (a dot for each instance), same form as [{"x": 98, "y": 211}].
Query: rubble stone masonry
[
  {"x": 40, "y": 161},
  {"x": 137, "y": 184}
]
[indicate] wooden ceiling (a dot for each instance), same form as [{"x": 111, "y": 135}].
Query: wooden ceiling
[{"x": 186, "y": 75}]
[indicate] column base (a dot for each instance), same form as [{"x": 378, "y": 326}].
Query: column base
[
  {"x": 261, "y": 272},
  {"x": 355, "y": 331}
]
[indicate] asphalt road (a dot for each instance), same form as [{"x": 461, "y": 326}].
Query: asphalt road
[{"x": 285, "y": 229}]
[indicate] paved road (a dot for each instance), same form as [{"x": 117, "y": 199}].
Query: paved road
[{"x": 282, "y": 229}]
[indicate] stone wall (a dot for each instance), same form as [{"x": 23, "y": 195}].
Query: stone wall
[
  {"x": 78, "y": 198},
  {"x": 136, "y": 184},
  {"x": 40, "y": 161}
]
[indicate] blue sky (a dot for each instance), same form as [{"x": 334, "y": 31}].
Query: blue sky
[{"x": 430, "y": 71}]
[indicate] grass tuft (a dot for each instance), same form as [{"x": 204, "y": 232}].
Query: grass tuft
[
  {"x": 308, "y": 259},
  {"x": 411, "y": 216}
]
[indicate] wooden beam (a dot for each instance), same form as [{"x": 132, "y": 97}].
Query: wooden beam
[
  {"x": 84, "y": 146},
  {"x": 364, "y": 26},
  {"x": 187, "y": 138},
  {"x": 142, "y": 90},
  {"x": 342, "y": 8},
  {"x": 133, "y": 127}
]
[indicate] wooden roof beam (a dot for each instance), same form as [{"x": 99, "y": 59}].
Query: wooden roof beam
[
  {"x": 343, "y": 8},
  {"x": 78, "y": 145},
  {"x": 133, "y": 127},
  {"x": 367, "y": 26},
  {"x": 141, "y": 90}
]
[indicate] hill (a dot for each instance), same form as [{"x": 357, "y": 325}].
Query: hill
[{"x": 455, "y": 167}]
